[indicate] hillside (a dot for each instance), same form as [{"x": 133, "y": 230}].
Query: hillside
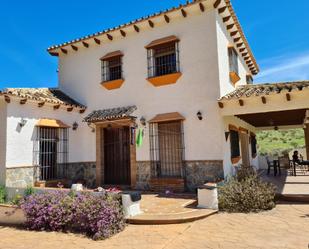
[{"x": 275, "y": 142}]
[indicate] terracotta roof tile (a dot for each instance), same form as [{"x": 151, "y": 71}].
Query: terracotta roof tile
[
  {"x": 107, "y": 114},
  {"x": 247, "y": 91},
  {"x": 48, "y": 95}
]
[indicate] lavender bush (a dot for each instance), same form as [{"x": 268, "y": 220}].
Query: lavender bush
[{"x": 99, "y": 216}]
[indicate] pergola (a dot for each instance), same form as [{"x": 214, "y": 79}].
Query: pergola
[{"x": 270, "y": 106}]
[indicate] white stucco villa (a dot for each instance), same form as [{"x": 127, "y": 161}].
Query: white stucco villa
[{"x": 163, "y": 101}]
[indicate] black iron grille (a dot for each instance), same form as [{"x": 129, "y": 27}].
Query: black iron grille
[
  {"x": 112, "y": 69},
  {"x": 167, "y": 149},
  {"x": 51, "y": 152},
  {"x": 163, "y": 60}
]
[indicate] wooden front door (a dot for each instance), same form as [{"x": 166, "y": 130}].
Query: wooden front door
[{"x": 117, "y": 156}]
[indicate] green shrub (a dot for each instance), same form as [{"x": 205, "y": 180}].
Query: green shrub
[
  {"x": 3, "y": 194},
  {"x": 245, "y": 172},
  {"x": 16, "y": 199},
  {"x": 246, "y": 195},
  {"x": 29, "y": 191}
]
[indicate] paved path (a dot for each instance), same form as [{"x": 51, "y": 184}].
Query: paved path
[{"x": 287, "y": 226}]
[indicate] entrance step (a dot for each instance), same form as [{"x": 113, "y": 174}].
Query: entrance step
[
  {"x": 177, "y": 218},
  {"x": 167, "y": 184}
]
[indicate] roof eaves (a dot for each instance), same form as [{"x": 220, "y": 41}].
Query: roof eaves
[{"x": 123, "y": 25}]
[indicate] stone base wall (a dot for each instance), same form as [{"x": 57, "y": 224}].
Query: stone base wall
[
  {"x": 196, "y": 173},
  {"x": 20, "y": 177},
  {"x": 199, "y": 172},
  {"x": 84, "y": 172},
  {"x": 143, "y": 175}
]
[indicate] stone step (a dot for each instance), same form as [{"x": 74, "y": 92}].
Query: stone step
[
  {"x": 163, "y": 184},
  {"x": 175, "y": 218}
]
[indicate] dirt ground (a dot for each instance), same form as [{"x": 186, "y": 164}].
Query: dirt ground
[{"x": 287, "y": 226}]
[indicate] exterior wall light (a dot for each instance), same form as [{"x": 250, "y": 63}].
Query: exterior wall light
[
  {"x": 22, "y": 122},
  {"x": 143, "y": 121},
  {"x": 75, "y": 126},
  {"x": 199, "y": 115}
]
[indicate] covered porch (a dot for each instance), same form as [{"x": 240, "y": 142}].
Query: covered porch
[{"x": 279, "y": 106}]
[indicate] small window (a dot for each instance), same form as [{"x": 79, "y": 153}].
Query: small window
[
  {"x": 112, "y": 67},
  {"x": 249, "y": 79},
  {"x": 253, "y": 145},
  {"x": 233, "y": 60},
  {"x": 163, "y": 58},
  {"x": 234, "y": 140}
]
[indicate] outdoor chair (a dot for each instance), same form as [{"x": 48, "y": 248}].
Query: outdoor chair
[
  {"x": 301, "y": 167},
  {"x": 272, "y": 164}
]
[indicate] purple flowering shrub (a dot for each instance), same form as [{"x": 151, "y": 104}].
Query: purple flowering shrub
[{"x": 99, "y": 216}]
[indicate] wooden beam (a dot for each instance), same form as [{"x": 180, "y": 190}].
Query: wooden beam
[
  {"x": 239, "y": 44},
  {"x": 220, "y": 104},
  {"x": 86, "y": 45},
  {"x": 41, "y": 104},
  {"x": 263, "y": 98},
  {"x": 226, "y": 19},
  {"x": 241, "y": 102},
  {"x": 166, "y": 18},
  {"x": 244, "y": 54},
  {"x": 97, "y": 41},
  {"x": 56, "y": 107},
  {"x": 7, "y": 99},
  {"x": 288, "y": 97},
  {"x": 250, "y": 65},
  {"x": 234, "y": 33},
  {"x": 237, "y": 39},
  {"x": 110, "y": 37},
  {"x": 242, "y": 50},
  {"x": 246, "y": 58},
  {"x": 202, "y": 7},
  {"x": 123, "y": 33},
  {"x": 136, "y": 28},
  {"x": 221, "y": 10},
  {"x": 64, "y": 50},
  {"x": 151, "y": 24},
  {"x": 82, "y": 111},
  {"x": 230, "y": 26},
  {"x": 54, "y": 53},
  {"x": 23, "y": 101},
  {"x": 69, "y": 109},
  {"x": 74, "y": 47},
  {"x": 217, "y": 3},
  {"x": 183, "y": 12}
]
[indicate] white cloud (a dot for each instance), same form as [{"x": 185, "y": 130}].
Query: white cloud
[{"x": 286, "y": 67}]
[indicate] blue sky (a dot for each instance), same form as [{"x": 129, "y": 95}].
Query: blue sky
[{"x": 276, "y": 30}]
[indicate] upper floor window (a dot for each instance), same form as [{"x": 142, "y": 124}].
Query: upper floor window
[
  {"x": 233, "y": 63},
  {"x": 112, "y": 66},
  {"x": 233, "y": 60},
  {"x": 249, "y": 79},
  {"x": 163, "y": 56}
]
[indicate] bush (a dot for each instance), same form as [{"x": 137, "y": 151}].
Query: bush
[
  {"x": 29, "y": 191},
  {"x": 3, "y": 194},
  {"x": 244, "y": 172},
  {"x": 246, "y": 195},
  {"x": 99, "y": 216}
]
